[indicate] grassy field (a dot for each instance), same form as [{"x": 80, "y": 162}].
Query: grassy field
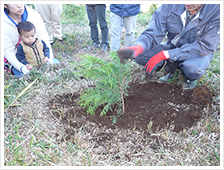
[{"x": 33, "y": 137}]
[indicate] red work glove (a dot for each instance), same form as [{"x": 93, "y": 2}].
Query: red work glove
[
  {"x": 151, "y": 64},
  {"x": 129, "y": 52}
]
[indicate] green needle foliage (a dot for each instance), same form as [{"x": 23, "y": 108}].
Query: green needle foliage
[{"x": 111, "y": 82}]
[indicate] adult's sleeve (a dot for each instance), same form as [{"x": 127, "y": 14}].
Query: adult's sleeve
[
  {"x": 155, "y": 31},
  {"x": 20, "y": 55},
  {"x": 206, "y": 44},
  {"x": 46, "y": 50},
  {"x": 10, "y": 51}
]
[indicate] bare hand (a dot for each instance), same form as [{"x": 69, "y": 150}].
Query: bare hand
[
  {"x": 45, "y": 60},
  {"x": 29, "y": 67}
]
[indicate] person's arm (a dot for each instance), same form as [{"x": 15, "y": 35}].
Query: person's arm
[
  {"x": 152, "y": 36},
  {"x": 156, "y": 30},
  {"x": 149, "y": 38},
  {"x": 203, "y": 46},
  {"x": 20, "y": 55},
  {"x": 167, "y": 55},
  {"x": 10, "y": 51},
  {"x": 46, "y": 50}
]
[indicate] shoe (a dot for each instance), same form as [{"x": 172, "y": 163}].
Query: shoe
[
  {"x": 94, "y": 46},
  {"x": 187, "y": 84},
  {"x": 162, "y": 66},
  {"x": 63, "y": 37},
  {"x": 104, "y": 47},
  {"x": 55, "y": 61},
  {"x": 170, "y": 77}
]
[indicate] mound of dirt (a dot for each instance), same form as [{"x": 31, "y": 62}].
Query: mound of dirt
[
  {"x": 201, "y": 96},
  {"x": 149, "y": 106}
]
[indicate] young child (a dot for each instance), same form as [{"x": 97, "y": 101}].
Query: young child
[{"x": 31, "y": 51}]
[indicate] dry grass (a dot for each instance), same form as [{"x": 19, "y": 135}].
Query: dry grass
[{"x": 33, "y": 136}]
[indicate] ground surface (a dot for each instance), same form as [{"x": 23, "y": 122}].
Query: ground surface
[
  {"x": 149, "y": 105},
  {"x": 162, "y": 126},
  {"x": 150, "y": 109}
]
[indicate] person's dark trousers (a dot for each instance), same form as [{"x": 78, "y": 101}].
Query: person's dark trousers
[
  {"x": 98, "y": 12},
  {"x": 17, "y": 73}
]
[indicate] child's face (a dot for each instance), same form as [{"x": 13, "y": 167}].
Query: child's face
[{"x": 28, "y": 37}]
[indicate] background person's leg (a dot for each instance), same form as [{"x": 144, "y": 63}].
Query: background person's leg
[
  {"x": 101, "y": 14},
  {"x": 45, "y": 12},
  {"x": 116, "y": 29},
  {"x": 56, "y": 10},
  {"x": 92, "y": 16},
  {"x": 129, "y": 24}
]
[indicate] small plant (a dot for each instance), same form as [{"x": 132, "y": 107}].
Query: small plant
[
  {"x": 111, "y": 82},
  {"x": 14, "y": 148},
  {"x": 40, "y": 149},
  {"x": 115, "y": 117},
  {"x": 72, "y": 148}
]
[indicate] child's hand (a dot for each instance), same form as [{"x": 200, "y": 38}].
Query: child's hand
[
  {"x": 45, "y": 60},
  {"x": 29, "y": 67}
]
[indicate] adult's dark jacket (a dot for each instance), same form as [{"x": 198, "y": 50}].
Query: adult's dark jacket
[
  {"x": 199, "y": 38},
  {"x": 125, "y": 10}
]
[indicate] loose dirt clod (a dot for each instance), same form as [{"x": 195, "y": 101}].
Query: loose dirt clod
[{"x": 201, "y": 95}]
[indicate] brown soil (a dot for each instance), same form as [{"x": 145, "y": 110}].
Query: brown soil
[{"x": 161, "y": 104}]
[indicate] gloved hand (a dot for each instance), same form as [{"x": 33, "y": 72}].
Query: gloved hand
[
  {"x": 151, "y": 64},
  {"x": 24, "y": 70},
  {"x": 129, "y": 52}
]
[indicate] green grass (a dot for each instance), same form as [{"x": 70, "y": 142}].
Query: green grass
[
  {"x": 74, "y": 14},
  {"x": 212, "y": 75}
]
